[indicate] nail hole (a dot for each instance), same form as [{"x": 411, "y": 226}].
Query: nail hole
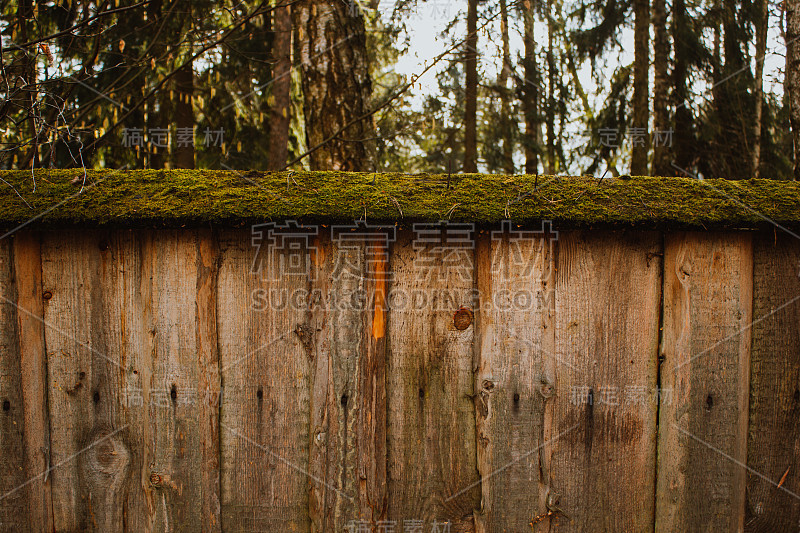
[
  {"x": 797, "y": 395},
  {"x": 260, "y": 393},
  {"x": 709, "y": 402},
  {"x": 96, "y": 397},
  {"x": 590, "y": 397},
  {"x": 421, "y": 393},
  {"x": 6, "y": 405},
  {"x": 81, "y": 375},
  {"x": 344, "y": 399},
  {"x": 516, "y": 398},
  {"x": 173, "y": 392},
  {"x": 136, "y": 372}
]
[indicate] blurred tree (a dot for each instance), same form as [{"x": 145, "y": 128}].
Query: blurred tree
[
  {"x": 793, "y": 76},
  {"x": 471, "y": 89},
  {"x": 641, "y": 87},
  {"x": 336, "y": 85}
]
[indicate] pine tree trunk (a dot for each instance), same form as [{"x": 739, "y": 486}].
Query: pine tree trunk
[
  {"x": 281, "y": 86},
  {"x": 471, "y": 90},
  {"x": 641, "y": 87},
  {"x": 732, "y": 150},
  {"x": 530, "y": 91},
  {"x": 761, "y": 49},
  {"x": 336, "y": 85},
  {"x": 184, "y": 116},
  {"x": 661, "y": 125},
  {"x": 683, "y": 117},
  {"x": 24, "y": 17},
  {"x": 505, "y": 106},
  {"x": 550, "y": 111},
  {"x": 793, "y": 75}
]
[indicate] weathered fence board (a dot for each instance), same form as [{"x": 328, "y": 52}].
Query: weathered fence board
[
  {"x": 33, "y": 366},
  {"x": 83, "y": 371},
  {"x": 706, "y": 348},
  {"x": 124, "y": 368},
  {"x": 155, "y": 380},
  {"x": 604, "y": 431},
  {"x": 515, "y": 377},
  {"x": 265, "y": 401},
  {"x": 431, "y": 417},
  {"x": 773, "y": 443},
  {"x": 13, "y": 492}
]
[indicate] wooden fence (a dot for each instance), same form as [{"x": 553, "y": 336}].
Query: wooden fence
[{"x": 512, "y": 379}]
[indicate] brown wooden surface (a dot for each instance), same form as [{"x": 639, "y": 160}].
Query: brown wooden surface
[
  {"x": 348, "y": 456},
  {"x": 89, "y": 456},
  {"x": 13, "y": 491},
  {"x": 37, "y": 455},
  {"x": 773, "y": 443},
  {"x": 142, "y": 368},
  {"x": 431, "y": 436},
  {"x": 604, "y": 429},
  {"x": 515, "y": 377},
  {"x": 209, "y": 384},
  {"x": 124, "y": 369},
  {"x": 264, "y": 417},
  {"x": 706, "y": 349}
]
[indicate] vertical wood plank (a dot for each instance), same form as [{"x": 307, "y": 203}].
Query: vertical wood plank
[
  {"x": 706, "y": 349},
  {"x": 515, "y": 377},
  {"x": 347, "y": 314},
  {"x": 124, "y": 379},
  {"x": 88, "y": 452},
  {"x": 14, "y": 508},
  {"x": 33, "y": 369},
  {"x": 128, "y": 306},
  {"x": 773, "y": 445},
  {"x": 178, "y": 373},
  {"x": 265, "y": 378},
  {"x": 431, "y": 425},
  {"x": 604, "y": 429},
  {"x": 209, "y": 385}
]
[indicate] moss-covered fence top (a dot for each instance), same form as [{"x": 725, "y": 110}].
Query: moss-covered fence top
[{"x": 181, "y": 197}]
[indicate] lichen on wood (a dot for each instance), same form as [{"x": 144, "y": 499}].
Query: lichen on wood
[{"x": 179, "y": 197}]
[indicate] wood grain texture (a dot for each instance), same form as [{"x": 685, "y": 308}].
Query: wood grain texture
[
  {"x": 431, "y": 421},
  {"x": 515, "y": 377},
  {"x": 124, "y": 371},
  {"x": 37, "y": 457},
  {"x": 347, "y": 315},
  {"x": 604, "y": 427},
  {"x": 13, "y": 502},
  {"x": 209, "y": 385},
  {"x": 773, "y": 444},
  {"x": 708, "y": 280},
  {"x": 264, "y": 417},
  {"x": 88, "y": 454}
]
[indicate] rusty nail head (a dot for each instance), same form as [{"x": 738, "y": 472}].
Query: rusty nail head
[{"x": 462, "y": 319}]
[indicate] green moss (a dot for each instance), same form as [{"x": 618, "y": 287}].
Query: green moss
[{"x": 199, "y": 196}]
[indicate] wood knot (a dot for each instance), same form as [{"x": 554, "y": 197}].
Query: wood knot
[
  {"x": 47, "y": 295},
  {"x": 155, "y": 479},
  {"x": 305, "y": 333},
  {"x": 547, "y": 389},
  {"x": 462, "y": 318}
]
